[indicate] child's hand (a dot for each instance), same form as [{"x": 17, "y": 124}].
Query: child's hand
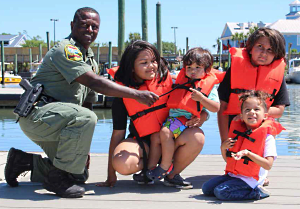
[
  {"x": 194, "y": 122},
  {"x": 240, "y": 154},
  {"x": 228, "y": 143},
  {"x": 196, "y": 95}
]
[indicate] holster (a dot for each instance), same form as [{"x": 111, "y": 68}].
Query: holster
[{"x": 28, "y": 98}]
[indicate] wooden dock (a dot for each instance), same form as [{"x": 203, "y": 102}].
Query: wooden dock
[{"x": 127, "y": 194}]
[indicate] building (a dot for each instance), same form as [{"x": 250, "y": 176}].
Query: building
[
  {"x": 289, "y": 27},
  {"x": 13, "y": 40}
]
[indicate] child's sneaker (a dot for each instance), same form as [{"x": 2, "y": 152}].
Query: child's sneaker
[
  {"x": 158, "y": 173},
  {"x": 139, "y": 178},
  {"x": 263, "y": 192},
  {"x": 178, "y": 182}
]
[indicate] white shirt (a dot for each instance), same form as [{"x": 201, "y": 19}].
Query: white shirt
[{"x": 270, "y": 151}]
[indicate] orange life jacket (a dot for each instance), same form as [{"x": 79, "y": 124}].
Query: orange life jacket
[
  {"x": 151, "y": 122},
  {"x": 244, "y": 76},
  {"x": 253, "y": 140},
  {"x": 181, "y": 98},
  {"x": 112, "y": 71}
]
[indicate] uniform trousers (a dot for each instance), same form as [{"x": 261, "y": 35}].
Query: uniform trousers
[{"x": 64, "y": 131}]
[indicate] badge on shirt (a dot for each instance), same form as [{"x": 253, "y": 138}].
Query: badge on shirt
[{"x": 73, "y": 53}]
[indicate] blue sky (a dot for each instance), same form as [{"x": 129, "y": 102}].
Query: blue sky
[{"x": 201, "y": 20}]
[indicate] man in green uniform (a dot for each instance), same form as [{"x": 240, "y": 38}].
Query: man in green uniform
[{"x": 61, "y": 123}]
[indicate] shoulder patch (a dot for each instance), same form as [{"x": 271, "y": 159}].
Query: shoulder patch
[{"x": 73, "y": 53}]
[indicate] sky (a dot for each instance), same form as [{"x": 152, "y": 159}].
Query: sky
[{"x": 202, "y": 21}]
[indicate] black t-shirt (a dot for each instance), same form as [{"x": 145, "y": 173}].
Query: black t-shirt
[
  {"x": 119, "y": 116},
  {"x": 281, "y": 98}
]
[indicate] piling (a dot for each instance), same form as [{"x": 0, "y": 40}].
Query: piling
[
  {"x": 121, "y": 30},
  {"x": 144, "y": 21},
  {"x": 158, "y": 28}
]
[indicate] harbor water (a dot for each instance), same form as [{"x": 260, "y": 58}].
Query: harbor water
[{"x": 288, "y": 142}]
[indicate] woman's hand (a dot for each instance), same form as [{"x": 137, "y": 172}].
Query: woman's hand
[{"x": 110, "y": 182}]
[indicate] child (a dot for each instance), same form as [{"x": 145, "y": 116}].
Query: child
[
  {"x": 249, "y": 152},
  {"x": 185, "y": 102},
  {"x": 259, "y": 66}
]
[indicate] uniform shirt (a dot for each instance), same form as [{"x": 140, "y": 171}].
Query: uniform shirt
[
  {"x": 62, "y": 64},
  {"x": 269, "y": 151}
]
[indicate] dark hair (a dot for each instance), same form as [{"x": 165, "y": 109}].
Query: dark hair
[
  {"x": 125, "y": 73},
  {"x": 259, "y": 95},
  {"x": 79, "y": 12},
  {"x": 276, "y": 39},
  {"x": 200, "y": 56}
]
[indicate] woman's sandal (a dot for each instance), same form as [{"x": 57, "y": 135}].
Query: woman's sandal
[{"x": 158, "y": 173}]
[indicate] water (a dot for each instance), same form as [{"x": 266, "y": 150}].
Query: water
[{"x": 288, "y": 142}]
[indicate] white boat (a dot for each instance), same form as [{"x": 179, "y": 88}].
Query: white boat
[
  {"x": 10, "y": 78},
  {"x": 293, "y": 74}
]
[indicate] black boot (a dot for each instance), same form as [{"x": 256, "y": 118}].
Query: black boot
[
  {"x": 17, "y": 163},
  {"x": 58, "y": 181}
]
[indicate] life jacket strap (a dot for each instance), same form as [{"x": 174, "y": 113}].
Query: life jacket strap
[
  {"x": 272, "y": 96},
  {"x": 145, "y": 112},
  {"x": 181, "y": 86},
  {"x": 145, "y": 156},
  {"x": 243, "y": 134}
]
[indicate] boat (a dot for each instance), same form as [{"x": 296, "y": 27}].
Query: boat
[
  {"x": 10, "y": 78},
  {"x": 293, "y": 74}
]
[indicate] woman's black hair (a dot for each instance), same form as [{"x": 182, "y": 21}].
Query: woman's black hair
[
  {"x": 125, "y": 73},
  {"x": 276, "y": 39}
]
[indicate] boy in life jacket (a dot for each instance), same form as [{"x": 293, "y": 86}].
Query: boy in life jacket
[
  {"x": 249, "y": 152},
  {"x": 194, "y": 82}
]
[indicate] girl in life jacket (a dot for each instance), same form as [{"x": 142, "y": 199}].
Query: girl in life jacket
[
  {"x": 140, "y": 68},
  {"x": 186, "y": 101},
  {"x": 249, "y": 152}
]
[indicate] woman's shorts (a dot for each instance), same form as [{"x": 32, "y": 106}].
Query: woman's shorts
[{"x": 176, "y": 125}]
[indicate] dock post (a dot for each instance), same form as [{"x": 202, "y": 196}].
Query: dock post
[
  {"x": 30, "y": 58},
  {"x": 2, "y": 63},
  {"x": 187, "y": 44},
  {"x": 16, "y": 63},
  {"x": 48, "y": 41},
  {"x": 121, "y": 30},
  {"x": 40, "y": 52},
  {"x": 289, "y": 55},
  {"x": 144, "y": 21},
  {"x": 220, "y": 51},
  {"x": 98, "y": 54},
  {"x": 109, "y": 56},
  {"x": 158, "y": 28}
]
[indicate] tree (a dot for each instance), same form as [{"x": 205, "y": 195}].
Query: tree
[
  {"x": 218, "y": 44},
  {"x": 34, "y": 42},
  {"x": 251, "y": 30},
  {"x": 167, "y": 47},
  {"x": 238, "y": 37},
  {"x": 5, "y": 34},
  {"x": 133, "y": 37}
]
